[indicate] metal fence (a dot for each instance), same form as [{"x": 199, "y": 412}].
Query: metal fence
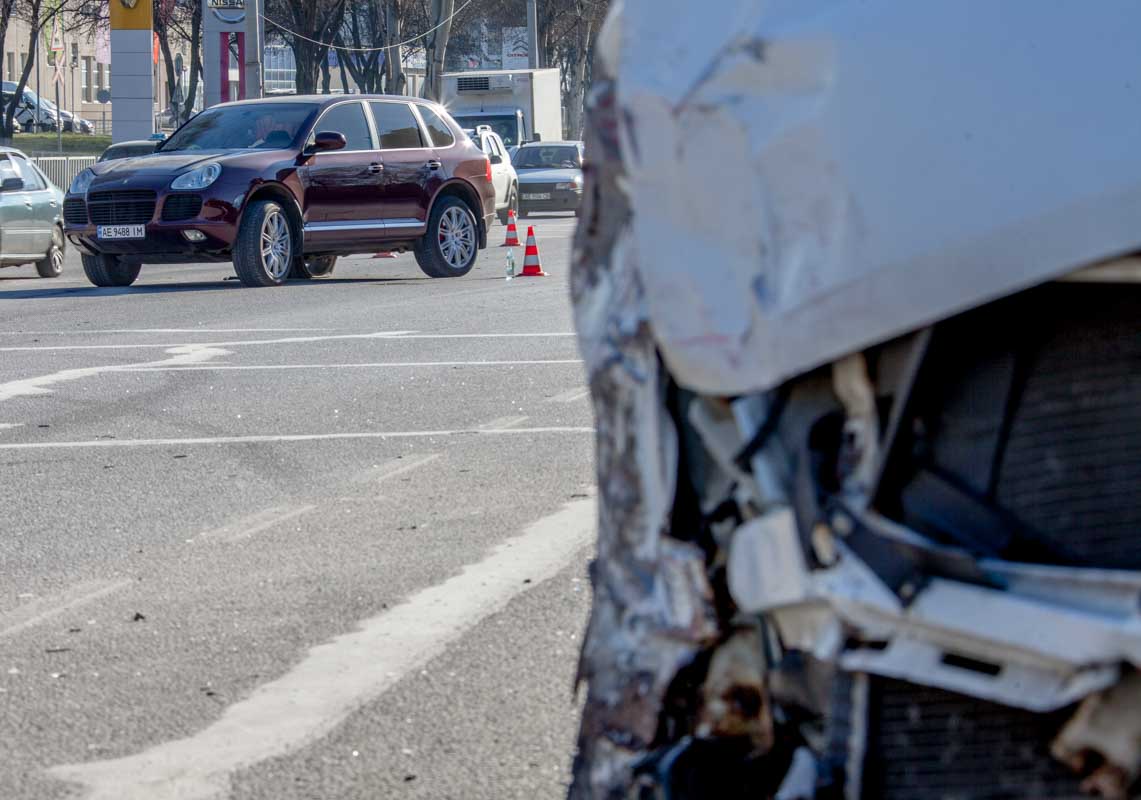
[{"x": 62, "y": 169}]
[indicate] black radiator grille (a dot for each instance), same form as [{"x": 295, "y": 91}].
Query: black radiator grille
[
  {"x": 126, "y": 207},
  {"x": 927, "y": 744},
  {"x": 75, "y": 212},
  {"x": 178, "y": 207}
]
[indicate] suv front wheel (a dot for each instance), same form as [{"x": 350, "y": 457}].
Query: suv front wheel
[
  {"x": 263, "y": 251},
  {"x": 107, "y": 270},
  {"x": 450, "y": 247}
]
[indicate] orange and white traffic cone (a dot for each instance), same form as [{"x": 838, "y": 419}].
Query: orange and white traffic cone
[
  {"x": 531, "y": 266},
  {"x": 512, "y": 231}
]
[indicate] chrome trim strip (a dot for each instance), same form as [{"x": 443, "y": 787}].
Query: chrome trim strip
[{"x": 363, "y": 225}]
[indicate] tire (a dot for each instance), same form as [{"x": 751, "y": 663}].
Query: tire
[
  {"x": 306, "y": 268},
  {"x": 52, "y": 264},
  {"x": 263, "y": 250},
  {"x": 523, "y": 212},
  {"x": 512, "y": 203},
  {"x": 105, "y": 270},
  {"x": 451, "y": 245}
]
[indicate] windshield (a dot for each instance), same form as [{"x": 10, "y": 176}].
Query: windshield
[
  {"x": 554, "y": 157},
  {"x": 506, "y": 126},
  {"x": 255, "y": 125}
]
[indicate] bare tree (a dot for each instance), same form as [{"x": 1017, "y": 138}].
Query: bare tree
[
  {"x": 309, "y": 27},
  {"x": 38, "y": 16},
  {"x": 437, "y": 47}
]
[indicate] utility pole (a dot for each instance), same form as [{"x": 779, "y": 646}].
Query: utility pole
[
  {"x": 533, "y": 34},
  {"x": 253, "y": 49}
]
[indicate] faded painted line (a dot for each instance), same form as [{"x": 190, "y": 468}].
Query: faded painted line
[
  {"x": 503, "y": 424},
  {"x": 390, "y": 336},
  {"x": 369, "y": 365},
  {"x": 182, "y": 355},
  {"x": 394, "y": 468},
  {"x": 46, "y": 608},
  {"x": 7, "y": 426},
  {"x": 163, "y": 330},
  {"x": 339, "y": 677},
  {"x": 255, "y": 523},
  {"x": 234, "y": 343},
  {"x": 572, "y": 396},
  {"x": 301, "y": 437}
]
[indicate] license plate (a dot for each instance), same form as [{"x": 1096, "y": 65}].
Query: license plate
[
  {"x": 543, "y": 196},
  {"x": 122, "y": 231}
]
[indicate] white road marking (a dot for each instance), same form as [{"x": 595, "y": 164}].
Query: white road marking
[
  {"x": 255, "y": 523},
  {"x": 502, "y": 424},
  {"x": 163, "y": 330},
  {"x": 393, "y": 468},
  {"x": 570, "y": 397},
  {"x": 7, "y": 426},
  {"x": 338, "y": 677},
  {"x": 300, "y": 437},
  {"x": 181, "y": 356},
  {"x": 367, "y": 365},
  {"x": 385, "y": 335},
  {"x": 47, "y": 608}
]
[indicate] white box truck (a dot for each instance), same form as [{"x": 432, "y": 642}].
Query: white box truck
[{"x": 521, "y": 105}]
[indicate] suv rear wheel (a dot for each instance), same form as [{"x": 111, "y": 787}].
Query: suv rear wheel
[
  {"x": 263, "y": 251},
  {"x": 105, "y": 270},
  {"x": 449, "y": 248}
]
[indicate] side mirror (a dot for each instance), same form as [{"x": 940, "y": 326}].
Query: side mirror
[
  {"x": 12, "y": 185},
  {"x": 538, "y": 137},
  {"x": 496, "y": 159},
  {"x": 325, "y": 141}
]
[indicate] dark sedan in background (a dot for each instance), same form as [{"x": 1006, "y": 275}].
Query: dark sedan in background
[
  {"x": 550, "y": 176},
  {"x": 282, "y": 187}
]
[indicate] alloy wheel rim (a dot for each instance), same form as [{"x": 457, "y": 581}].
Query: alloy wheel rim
[
  {"x": 457, "y": 237},
  {"x": 57, "y": 260},
  {"x": 276, "y": 246}
]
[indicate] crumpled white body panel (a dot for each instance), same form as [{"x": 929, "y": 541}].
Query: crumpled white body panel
[{"x": 809, "y": 177}]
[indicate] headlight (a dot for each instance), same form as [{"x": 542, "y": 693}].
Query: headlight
[
  {"x": 575, "y": 185},
  {"x": 82, "y": 182},
  {"x": 198, "y": 178}
]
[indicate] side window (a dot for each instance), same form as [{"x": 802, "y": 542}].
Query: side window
[
  {"x": 488, "y": 145},
  {"x": 396, "y": 126},
  {"x": 347, "y": 119},
  {"x": 8, "y": 169},
  {"x": 32, "y": 180},
  {"x": 496, "y": 147},
  {"x": 441, "y": 134}
]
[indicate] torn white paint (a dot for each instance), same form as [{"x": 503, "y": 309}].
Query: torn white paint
[
  {"x": 395, "y": 467},
  {"x": 797, "y": 195},
  {"x": 340, "y": 676},
  {"x": 256, "y": 523}
]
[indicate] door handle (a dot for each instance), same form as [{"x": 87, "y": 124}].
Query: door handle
[
  {"x": 434, "y": 164},
  {"x": 374, "y": 168}
]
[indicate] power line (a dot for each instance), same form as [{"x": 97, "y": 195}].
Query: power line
[{"x": 281, "y": 27}]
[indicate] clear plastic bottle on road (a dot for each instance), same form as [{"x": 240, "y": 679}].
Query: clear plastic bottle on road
[{"x": 510, "y": 264}]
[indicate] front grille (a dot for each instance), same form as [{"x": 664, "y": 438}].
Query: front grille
[
  {"x": 126, "y": 207},
  {"x": 75, "y": 212},
  {"x": 927, "y": 744},
  {"x": 178, "y": 207}
]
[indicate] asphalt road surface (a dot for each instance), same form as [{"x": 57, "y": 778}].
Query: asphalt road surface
[{"x": 321, "y": 541}]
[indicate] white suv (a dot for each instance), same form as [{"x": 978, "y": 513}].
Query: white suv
[{"x": 503, "y": 175}]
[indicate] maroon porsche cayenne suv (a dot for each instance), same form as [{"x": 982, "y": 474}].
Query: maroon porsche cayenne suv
[{"x": 282, "y": 187}]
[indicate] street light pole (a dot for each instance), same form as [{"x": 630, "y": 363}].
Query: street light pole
[
  {"x": 533, "y": 34},
  {"x": 253, "y": 49}
]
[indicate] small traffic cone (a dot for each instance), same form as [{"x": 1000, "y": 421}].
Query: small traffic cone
[
  {"x": 512, "y": 231},
  {"x": 531, "y": 266}
]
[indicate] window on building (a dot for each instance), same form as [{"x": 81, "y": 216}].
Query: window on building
[
  {"x": 396, "y": 126},
  {"x": 99, "y": 70},
  {"x": 85, "y": 80},
  {"x": 74, "y": 55},
  {"x": 11, "y": 73}
]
